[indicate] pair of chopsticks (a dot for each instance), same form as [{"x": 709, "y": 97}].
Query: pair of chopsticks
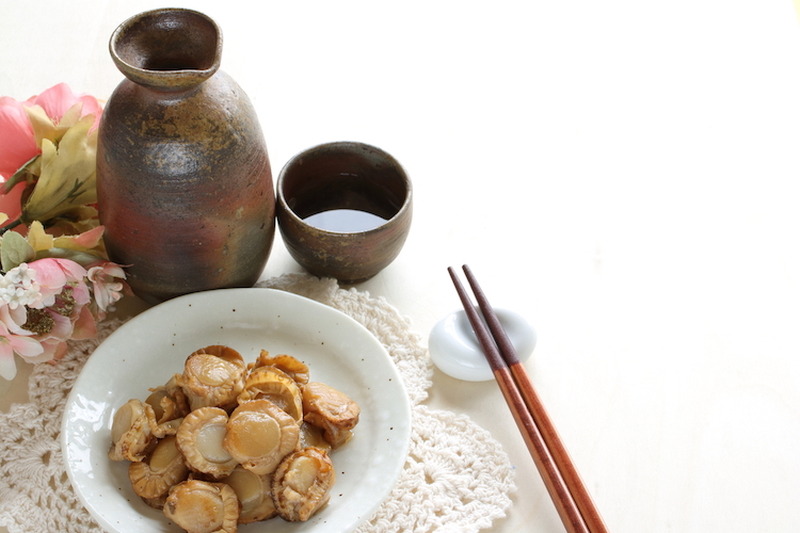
[{"x": 572, "y": 501}]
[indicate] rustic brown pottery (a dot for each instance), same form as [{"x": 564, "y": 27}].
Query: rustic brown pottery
[
  {"x": 183, "y": 177},
  {"x": 344, "y": 176}
]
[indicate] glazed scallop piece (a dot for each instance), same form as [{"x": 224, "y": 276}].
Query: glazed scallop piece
[
  {"x": 223, "y": 352},
  {"x": 212, "y": 380},
  {"x": 254, "y": 493},
  {"x": 302, "y": 483},
  {"x": 272, "y": 384},
  {"x": 260, "y": 434},
  {"x": 331, "y": 410},
  {"x": 311, "y": 436},
  {"x": 131, "y": 431},
  {"x": 163, "y": 468},
  {"x": 200, "y": 440},
  {"x": 169, "y": 405},
  {"x": 203, "y": 507},
  {"x": 293, "y": 367}
]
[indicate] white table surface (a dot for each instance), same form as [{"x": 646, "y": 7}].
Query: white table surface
[{"x": 620, "y": 172}]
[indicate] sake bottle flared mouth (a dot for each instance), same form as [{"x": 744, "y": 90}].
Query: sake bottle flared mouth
[{"x": 167, "y": 49}]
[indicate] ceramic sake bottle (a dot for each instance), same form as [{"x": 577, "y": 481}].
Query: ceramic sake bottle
[{"x": 184, "y": 182}]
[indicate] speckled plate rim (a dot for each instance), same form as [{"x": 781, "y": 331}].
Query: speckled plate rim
[{"x": 151, "y": 347}]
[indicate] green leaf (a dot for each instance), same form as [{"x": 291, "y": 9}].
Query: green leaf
[{"x": 14, "y": 250}]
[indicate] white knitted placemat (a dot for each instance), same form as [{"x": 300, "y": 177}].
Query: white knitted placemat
[{"x": 457, "y": 477}]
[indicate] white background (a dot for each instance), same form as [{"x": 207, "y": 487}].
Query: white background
[{"x": 621, "y": 172}]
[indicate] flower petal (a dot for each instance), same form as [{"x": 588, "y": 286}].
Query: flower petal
[
  {"x": 55, "y": 101},
  {"x": 38, "y": 238},
  {"x": 26, "y": 346},
  {"x": 11, "y": 203},
  {"x": 68, "y": 174},
  {"x": 44, "y": 127},
  {"x": 91, "y": 107},
  {"x": 8, "y": 367},
  {"x": 85, "y": 325},
  {"x": 17, "y": 145},
  {"x": 50, "y": 351},
  {"x": 88, "y": 240},
  {"x": 12, "y": 320},
  {"x": 73, "y": 270},
  {"x": 81, "y": 293}
]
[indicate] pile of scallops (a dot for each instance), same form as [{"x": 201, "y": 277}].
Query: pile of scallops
[{"x": 227, "y": 442}]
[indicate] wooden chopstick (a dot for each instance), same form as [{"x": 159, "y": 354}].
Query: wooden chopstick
[{"x": 561, "y": 479}]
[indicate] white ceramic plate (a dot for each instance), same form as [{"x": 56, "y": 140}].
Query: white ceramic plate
[{"x": 151, "y": 347}]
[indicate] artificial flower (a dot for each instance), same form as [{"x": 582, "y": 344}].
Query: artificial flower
[
  {"x": 19, "y": 288},
  {"x": 11, "y": 343},
  {"x": 47, "y": 303},
  {"x": 56, "y": 281},
  {"x": 106, "y": 285},
  {"x": 17, "y": 142},
  {"x": 58, "y": 101},
  {"x": 84, "y": 325},
  {"x": 52, "y": 275},
  {"x": 57, "y": 329},
  {"x": 48, "y": 147},
  {"x": 86, "y": 248},
  {"x": 67, "y": 174},
  {"x": 11, "y": 203},
  {"x": 14, "y": 319}
]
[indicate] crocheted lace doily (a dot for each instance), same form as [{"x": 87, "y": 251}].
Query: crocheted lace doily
[{"x": 456, "y": 477}]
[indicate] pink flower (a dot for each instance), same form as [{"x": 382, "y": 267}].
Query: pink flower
[
  {"x": 71, "y": 319},
  {"x": 106, "y": 284},
  {"x": 18, "y": 140},
  {"x": 54, "y": 274},
  {"x": 84, "y": 324},
  {"x": 58, "y": 99},
  {"x": 11, "y": 203},
  {"x": 14, "y": 319},
  {"x": 47, "y": 156},
  {"x": 17, "y": 143},
  {"x": 54, "y": 342},
  {"x": 79, "y": 324},
  {"x": 11, "y": 343}
]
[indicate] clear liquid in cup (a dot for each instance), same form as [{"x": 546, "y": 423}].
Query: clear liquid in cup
[{"x": 345, "y": 220}]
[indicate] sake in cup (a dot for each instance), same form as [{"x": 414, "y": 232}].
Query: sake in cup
[{"x": 344, "y": 210}]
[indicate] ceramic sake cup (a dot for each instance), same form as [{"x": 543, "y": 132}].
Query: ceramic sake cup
[{"x": 344, "y": 210}]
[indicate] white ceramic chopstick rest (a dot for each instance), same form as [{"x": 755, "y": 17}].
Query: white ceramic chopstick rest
[{"x": 456, "y": 352}]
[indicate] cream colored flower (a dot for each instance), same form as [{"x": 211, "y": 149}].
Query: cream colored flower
[{"x": 67, "y": 173}]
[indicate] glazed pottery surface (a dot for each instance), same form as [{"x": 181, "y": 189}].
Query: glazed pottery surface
[
  {"x": 344, "y": 176},
  {"x": 185, "y": 187}
]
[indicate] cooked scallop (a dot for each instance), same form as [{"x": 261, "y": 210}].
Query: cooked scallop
[
  {"x": 169, "y": 405},
  {"x": 302, "y": 484},
  {"x": 224, "y": 442},
  {"x": 131, "y": 433},
  {"x": 259, "y": 434},
  {"x": 168, "y": 400},
  {"x": 200, "y": 440},
  {"x": 223, "y": 352},
  {"x": 276, "y": 386},
  {"x": 254, "y": 493},
  {"x": 311, "y": 435},
  {"x": 211, "y": 380},
  {"x": 203, "y": 507},
  {"x": 162, "y": 469},
  {"x": 331, "y": 410},
  {"x": 293, "y": 367}
]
